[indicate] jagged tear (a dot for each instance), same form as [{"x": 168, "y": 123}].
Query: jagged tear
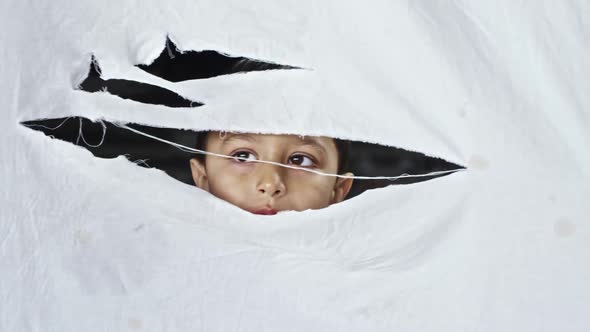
[
  {"x": 133, "y": 90},
  {"x": 176, "y": 66},
  {"x": 107, "y": 140}
]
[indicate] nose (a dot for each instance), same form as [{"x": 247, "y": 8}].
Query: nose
[{"x": 270, "y": 181}]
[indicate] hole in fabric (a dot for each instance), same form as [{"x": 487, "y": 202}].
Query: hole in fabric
[
  {"x": 176, "y": 66},
  {"x": 379, "y": 160},
  {"x": 111, "y": 141},
  {"x": 136, "y": 91},
  {"x": 107, "y": 140}
]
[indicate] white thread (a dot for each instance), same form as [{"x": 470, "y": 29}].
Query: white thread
[
  {"x": 138, "y": 161},
  {"x": 170, "y": 53},
  {"x": 96, "y": 66},
  {"x": 142, "y": 162},
  {"x": 192, "y": 150},
  {"x": 43, "y": 126},
  {"x": 81, "y": 135}
]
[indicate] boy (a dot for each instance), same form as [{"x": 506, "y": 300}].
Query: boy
[{"x": 267, "y": 189}]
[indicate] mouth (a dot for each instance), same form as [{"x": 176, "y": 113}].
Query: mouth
[{"x": 265, "y": 211}]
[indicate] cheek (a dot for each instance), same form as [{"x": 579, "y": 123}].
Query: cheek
[
  {"x": 310, "y": 191},
  {"x": 229, "y": 182}
]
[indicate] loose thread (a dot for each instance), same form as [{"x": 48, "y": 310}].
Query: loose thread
[
  {"x": 81, "y": 135},
  {"x": 46, "y": 127},
  {"x": 197, "y": 151},
  {"x": 80, "y": 131}
]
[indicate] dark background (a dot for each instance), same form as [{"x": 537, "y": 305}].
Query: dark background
[{"x": 365, "y": 159}]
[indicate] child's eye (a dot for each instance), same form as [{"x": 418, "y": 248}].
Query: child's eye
[
  {"x": 301, "y": 160},
  {"x": 244, "y": 156}
]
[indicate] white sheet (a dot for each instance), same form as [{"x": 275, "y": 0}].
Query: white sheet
[{"x": 501, "y": 87}]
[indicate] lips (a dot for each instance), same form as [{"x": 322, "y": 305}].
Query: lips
[{"x": 265, "y": 211}]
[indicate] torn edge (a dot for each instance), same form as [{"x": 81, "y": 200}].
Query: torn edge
[
  {"x": 356, "y": 177},
  {"x": 176, "y": 65},
  {"x": 133, "y": 90}
]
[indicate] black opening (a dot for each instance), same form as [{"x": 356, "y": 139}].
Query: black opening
[
  {"x": 365, "y": 159},
  {"x": 175, "y": 66},
  {"x": 136, "y": 91}
]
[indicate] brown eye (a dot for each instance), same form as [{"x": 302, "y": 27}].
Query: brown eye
[
  {"x": 301, "y": 160},
  {"x": 243, "y": 156}
]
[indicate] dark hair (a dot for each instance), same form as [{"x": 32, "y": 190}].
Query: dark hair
[{"x": 342, "y": 146}]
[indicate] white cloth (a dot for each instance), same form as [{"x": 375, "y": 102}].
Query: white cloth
[{"x": 501, "y": 87}]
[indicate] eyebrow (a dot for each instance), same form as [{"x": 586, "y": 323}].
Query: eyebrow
[
  {"x": 238, "y": 136},
  {"x": 311, "y": 141}
]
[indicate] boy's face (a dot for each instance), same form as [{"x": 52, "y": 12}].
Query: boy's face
[{"x": 266, "y": 189}]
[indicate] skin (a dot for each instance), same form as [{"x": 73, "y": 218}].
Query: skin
[{"x": 264, "y": 188}]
